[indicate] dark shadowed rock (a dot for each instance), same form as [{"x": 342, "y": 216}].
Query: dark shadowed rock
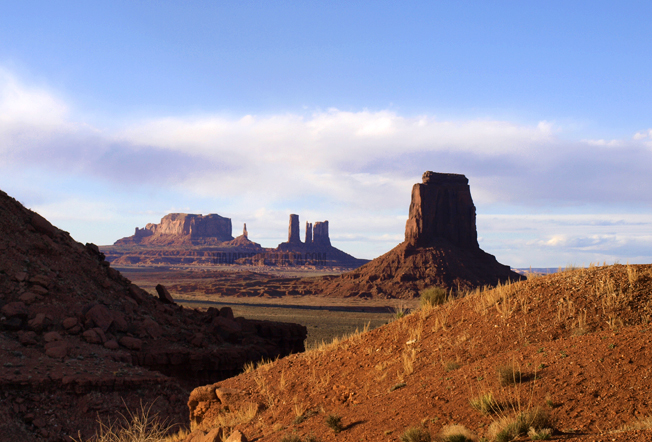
[
  {"x": 164, "y": 295},
  {"x": 293, "y": 230}
]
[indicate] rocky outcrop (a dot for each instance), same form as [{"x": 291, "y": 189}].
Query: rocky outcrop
[
  {"x": 308, "y": 233},
  {"x": 293, "y": 230},
  {"x": 320, "y": 234},
  {"x": 441, "y": 208},
  {"x": 440, "y": 249},
  {"x": 183, "y": 228},
  {"x": 77, "y": 336}
]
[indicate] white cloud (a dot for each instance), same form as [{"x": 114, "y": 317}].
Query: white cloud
[
  {"x": 642, "y": 135},
  {"x": 355, "y": 169}
]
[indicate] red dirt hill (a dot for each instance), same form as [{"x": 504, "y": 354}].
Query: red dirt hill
[{"x": 580, "y": 340}]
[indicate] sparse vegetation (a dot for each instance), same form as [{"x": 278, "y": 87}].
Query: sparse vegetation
[
  {"x": 509, "y": 375},
  {"x": 140, "y": 426},
  {"x": 456, "y": 433},
  {"x": 486, "y": 403},
  {"x": 509, "y": 428},
  {"x": 334, "y": 422},
  {"x": 541, "y": 434},
  {"x": 434, "y": 296},
  {"x": 291, "y": 438},
  {"x": 644, "y": 423},
  {"x": 416, "y": 434},
  {"x": 451, "y": 365}
]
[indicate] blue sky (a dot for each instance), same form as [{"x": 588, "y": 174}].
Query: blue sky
[{"x": 113, "y": 114}]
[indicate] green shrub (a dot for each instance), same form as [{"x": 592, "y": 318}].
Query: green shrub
[
  {"x": 433, "y": 296},
  {"x": 290, "y": 438},
  {"x": 416, "y": 434}
]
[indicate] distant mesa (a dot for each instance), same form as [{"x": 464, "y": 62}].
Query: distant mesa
[
  {"x": 183, "y": 228},
  {"x": 440, "y": 248},
  {"x": 190, "y": 239},
  {"x": 316, "y": 250}
]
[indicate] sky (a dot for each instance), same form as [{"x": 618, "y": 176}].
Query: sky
[{"x": 113, "y": 114}]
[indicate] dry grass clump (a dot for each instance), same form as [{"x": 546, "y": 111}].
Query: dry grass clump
[
  {"x": 140, "y": 426},
  {"x": 486, "y": 403},
  {"x": 416, "y": 434},
  {"x": 456, "y": 433},
  {"x": 638, "y": 424},
  {"x": 296, "y": 438},
  {"x": 509, "y": 428},
  {"x": 451, "y": 365},
  {"x": 434, "y": 296},
  {"x": 244, "y": 415},
  {"x": 509, "y": 375}
]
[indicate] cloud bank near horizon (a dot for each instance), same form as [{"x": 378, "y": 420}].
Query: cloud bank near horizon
[{"x": 352, "y": 167}]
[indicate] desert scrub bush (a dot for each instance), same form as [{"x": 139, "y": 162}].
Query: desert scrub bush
[
  {"x": 290, "y": 438},
  {"x": 433, "y": 296},
  {"x": 400, "y": 311},
  {"x": 334, "y": 422},
  {"x": 451, "y": 365},
  {"x": 139, "y": 426},
  {"x": 416, "y": 434},
  {"x": 644, "y": 423},
  {"x": 542, "y": 434},
  {"x": 509, "y": 375},
  {"x": 456, "y": 433},
  {"x": 509, "y": 428},
  {"x": 486, "y": 404}
]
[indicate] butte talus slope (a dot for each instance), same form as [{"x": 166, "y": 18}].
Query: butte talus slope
[
  {"x": 79, "y": 341},
  {"x": 440, "y": 248},
  {"x": 580, "y": 340}
]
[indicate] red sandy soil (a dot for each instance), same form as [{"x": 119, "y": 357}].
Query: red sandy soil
[{"x": 580, "y": 338}]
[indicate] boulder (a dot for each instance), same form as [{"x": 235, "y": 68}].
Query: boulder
[
  {"x": 164, "y": 295},
  {"x": 100, "y": 316},
  {"x": 131, "y": 343},
  {"x": 15, "y": 309}
]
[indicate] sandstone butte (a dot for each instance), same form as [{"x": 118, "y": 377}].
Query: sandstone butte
[{"x": 80, "y": 342}]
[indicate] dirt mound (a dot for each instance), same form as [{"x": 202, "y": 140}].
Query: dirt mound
[
  {"x": 405, "y": 270},
  {"x": 571, "y": 347},
  {"x": 79, "y": 339}
]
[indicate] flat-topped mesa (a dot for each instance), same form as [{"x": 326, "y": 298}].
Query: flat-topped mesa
[
  {"x": 293, "y": 230},
  {"x": 442, "y": 208},
  {"x": 183, "y": 226}
]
